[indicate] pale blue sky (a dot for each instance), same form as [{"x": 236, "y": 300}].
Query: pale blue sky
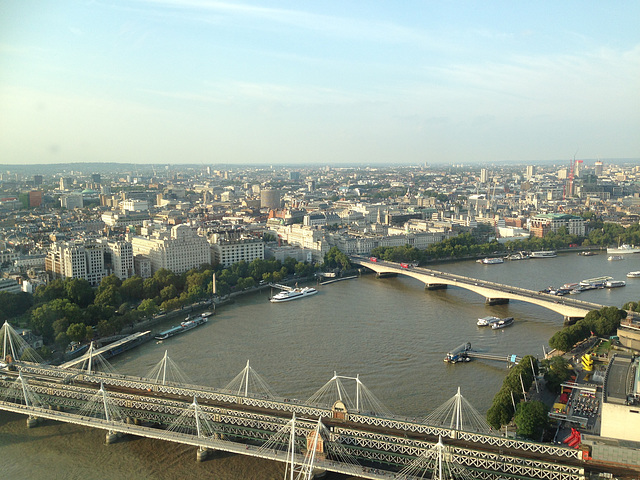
[{"x": 199, "y": 81}]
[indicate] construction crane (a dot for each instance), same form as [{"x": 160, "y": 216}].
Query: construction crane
[{"x": 572, "y": 166}]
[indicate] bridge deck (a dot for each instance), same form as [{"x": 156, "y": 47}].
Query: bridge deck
[{"x": 568, "y": 307}]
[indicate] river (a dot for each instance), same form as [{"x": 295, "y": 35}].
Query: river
[{"x": 390, "y": 332}]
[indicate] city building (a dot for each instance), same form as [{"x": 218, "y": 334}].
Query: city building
[
  {"x": 35, "y": 198},
  {"x": 541, "y": 224},
  {"x": 179, "y": 251},
  {"x": 9, "y": 285},
  {"x": 229, "y": 248},
  {"x": 270, "y": 198},
  {"x": 121, "y": 253},
  {"x": 71, "y": 201},
  {"x": 76, "y": 260},
  {"x": 142, "y": 266}
]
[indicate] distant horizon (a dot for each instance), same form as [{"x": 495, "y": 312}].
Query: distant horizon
[
  {"x": 251, "y": 82},
  {"x": 557, "y": 162}
]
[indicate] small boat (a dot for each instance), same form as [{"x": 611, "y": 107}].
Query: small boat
[
  {"x": 544, "y": 254},
  {"x": 615, "y": 283},
  {"x": 518, "y": 256},
  {"x": 596, "y": 282},
  {"x": 612, "y": 258},
  {"x": 633, "y": 274},
  {"x": 188, "y": 324},
  {"x": 624, "y": 248},
  {"x": 492, "y": 261},
  {"x": 487, "y": 321},
  {"x": 293, "y": 294},
  {"x": 502, "y": 323},
  {"x": 587, "y": 253}
]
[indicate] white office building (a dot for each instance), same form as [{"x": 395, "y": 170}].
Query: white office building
[
  {"x": 179, "y": 251},
  {"x": 229, "y": 249},
  {"x": 76, "y": 260}
]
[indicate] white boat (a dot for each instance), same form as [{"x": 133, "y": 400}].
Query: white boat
[
  {"x": 594, "y": 282},
  {"x": 544, "y": 254},
  {"x": 622, "y": 249},
  {"x": 293, "y": 294},
  {"x": 502, "y": 323},
  {"x": 615, "y": 283},
  {"x": 492, "y": 261},
  {"x": 615, "y": 257},
  {"x": 633, "y": 274},
  {"x": 487, "y": 321}
]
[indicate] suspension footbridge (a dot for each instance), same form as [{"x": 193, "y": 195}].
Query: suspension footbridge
[{"x": 342, "y": 428}]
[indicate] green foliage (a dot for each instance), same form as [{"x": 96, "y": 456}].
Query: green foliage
[
  {"x": 14, "y": 304},
  {"x": 558, "y": 371},
  {"x": 334, "y": 258},
  {"x": 501, "y": 411},
  {"x": 531, "y": 418},
  {"x": 79, "y": 291},
  {"x": 603, "y": 323},
  {"x": 79, "y": 332}
]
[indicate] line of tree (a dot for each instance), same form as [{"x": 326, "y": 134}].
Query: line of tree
[
  {"x": 469, "y": 245},
  {"x": 71, "y": 310},
  {"x": 519, "y": 377},
  {"x": 603, "y": 323}
]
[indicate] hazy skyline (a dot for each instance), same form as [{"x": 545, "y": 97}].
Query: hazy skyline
[{"x": 197, "y": 81}]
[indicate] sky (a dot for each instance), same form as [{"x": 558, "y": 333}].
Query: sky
[{"x": 318, "y": 82}]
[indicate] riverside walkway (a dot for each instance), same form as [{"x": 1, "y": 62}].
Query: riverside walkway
[{"x": 494, "y": 293}]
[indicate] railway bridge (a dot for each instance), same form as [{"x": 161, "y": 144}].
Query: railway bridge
[
  {"x": 495, "y": 293},
  {"x": 308, "y": 436}
]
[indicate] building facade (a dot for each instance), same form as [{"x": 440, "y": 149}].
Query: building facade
[
  {"x": 229, "y": 249},
  {"x": 179, "y": 251}
]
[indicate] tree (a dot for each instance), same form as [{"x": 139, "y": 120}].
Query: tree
[
  {"x": 132, "y": 289},
  {"x": 79, "y": 291},
  {"x": 109, "y": 296},
  {"x": 168, "y": 292},
  {"x": 531, "y": 418},
  {"x": 148, "y": 307},
  {"x": 79, "y": 331}
]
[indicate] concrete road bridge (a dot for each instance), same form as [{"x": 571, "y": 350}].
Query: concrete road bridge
[{"x": 495, "y": 293}]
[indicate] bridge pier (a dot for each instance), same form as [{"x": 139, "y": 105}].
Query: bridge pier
[
  {"x": 319, "y": 473},
  {"x": 32, "y": 421},
  {"x": 571, "y": 320},
  {"x": 435, "y": 286},
  {"x": 496, "y": 301},
  {"x": 111, "y": 437},
  {"x": 386, "y": 275},
  {"x": 202, "y": 454}
]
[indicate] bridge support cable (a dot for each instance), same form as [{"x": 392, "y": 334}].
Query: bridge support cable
[
  {"x": 19, "y": 391},
  {"x": 15, "y": 348},
  {"x": 91, "y": 362},
  {"x": 436, "y": 463},
  {"x": 166, "y": 370},
  {"x": 198, "y": 423},
  {"x": 248, "y": 383},
  {"x": 458, "y": 414},
  {"x": 334, "y": 390}
]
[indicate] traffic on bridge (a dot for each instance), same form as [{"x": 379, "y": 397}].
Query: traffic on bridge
[{"x": 495, "y": 293}]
